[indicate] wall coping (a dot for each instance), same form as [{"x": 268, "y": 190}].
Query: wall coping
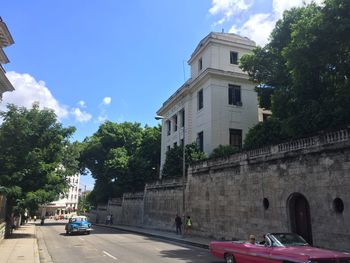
[
  {"x": 305, "y": 145},
  {"x": 165, "y": 184}
]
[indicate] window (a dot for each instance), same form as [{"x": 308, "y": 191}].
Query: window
[
  {"x": 236, "y": 138},
  {"x": 175, "y": 122},
  {"x": 175, "y": 144},
  {"x": 200, "y": 99},
  {"x": 182, "y": 118},
  {"x": 200, "y": 64},
  {"x": 182, "y": 142},
  {"x": 234, "y": 58},
  {"x": 168, "y": 124},
  {"x": 168, "y": 148},
  {"x": 234, "y": 95},
  {"x": 265, "y": 116},
  {"x": 200, "y": 141}
]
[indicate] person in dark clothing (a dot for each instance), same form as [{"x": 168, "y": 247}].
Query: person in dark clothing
[{"x": 178, "y": 224}]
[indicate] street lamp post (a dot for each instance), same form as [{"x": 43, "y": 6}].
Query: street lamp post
[{"x": 183, "y": 166}]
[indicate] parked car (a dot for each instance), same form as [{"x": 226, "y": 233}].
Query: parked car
[
  {"x": 277, "y": 247},
  {"x": 78, "y": 224}
]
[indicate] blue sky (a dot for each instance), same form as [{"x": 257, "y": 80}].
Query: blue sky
[{"x": 97, "y": 60}]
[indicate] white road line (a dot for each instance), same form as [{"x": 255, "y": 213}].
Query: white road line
[
  {"x": 81, "y": 238},
  {"x": 109, "y": 255}
]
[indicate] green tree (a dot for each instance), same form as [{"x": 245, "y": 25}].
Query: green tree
[
  {"x": 223, "y": 151},
  {"x": 302, "y": 73},
  {"x": 84, "y": 204},
  {"x": 173, "y": 165},
  {"x": 120, "y": 156},
  {"x": 34, "y": 150}
]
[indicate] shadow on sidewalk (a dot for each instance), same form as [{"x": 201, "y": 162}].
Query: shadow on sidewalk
[{"x": 21, "y": 235}]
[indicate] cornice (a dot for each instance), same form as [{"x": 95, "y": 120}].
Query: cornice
[
  {"x": 3, "y": 57},
  {"x": 5, "y": 35},
  {"x": 191, "y": 85},
  {"x": 223, "y": 39},
  {"x": 5, "y": 84}
]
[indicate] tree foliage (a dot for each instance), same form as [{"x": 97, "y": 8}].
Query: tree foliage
[
  {"x": 35, "y": 155},
  {"x": 173, "y": 166},
  {"x": 223, "y": 151},
  {"x": 302, "y": 74},
  {"x": 121, "y": 157}
]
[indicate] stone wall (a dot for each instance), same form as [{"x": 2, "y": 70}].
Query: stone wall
[
  {"x": 227, "y": 195},
  {"x": 163, "y": 200},
  {"x": 258, "y": 191},
  {"x": 132, "y": 209}
]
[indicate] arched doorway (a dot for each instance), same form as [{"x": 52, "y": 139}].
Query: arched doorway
[{"x": 299, "y": 212}]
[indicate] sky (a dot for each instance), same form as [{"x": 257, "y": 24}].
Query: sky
[{"x": 97, "y": 60}]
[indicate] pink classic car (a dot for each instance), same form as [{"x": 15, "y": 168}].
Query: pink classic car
[{"x": 277, "y": 247}]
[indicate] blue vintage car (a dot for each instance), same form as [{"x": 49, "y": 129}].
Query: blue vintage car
[{"x": 78, "y": 224}]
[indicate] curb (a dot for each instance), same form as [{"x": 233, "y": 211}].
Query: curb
[
  {"x": 43, "y": 254},
  {"x": 36, "y": 247},
  {"x": 183, "y": 241}
]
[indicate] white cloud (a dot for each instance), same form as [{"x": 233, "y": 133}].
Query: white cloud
[
  {"x": 107, "y": 100},
  {"x": 82, "y": 104},
  {"x": 258, "y": 28},
  {"x": 279, "y": 6},
  {"x": 81, "y": 116},
  {"x": 228, "y": 8},
  {"x": 28, "y": 90}
]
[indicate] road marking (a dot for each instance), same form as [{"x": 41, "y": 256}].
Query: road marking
[
  {"x": 109, "y": 255},
  {"x": 81, "y": 238}
]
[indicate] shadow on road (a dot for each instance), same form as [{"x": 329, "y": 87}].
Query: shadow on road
[{"x": 187, "y": 256}]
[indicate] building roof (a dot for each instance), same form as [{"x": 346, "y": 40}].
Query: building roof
[
  {"x": 228, "y": 38},
  {"x": 222, "y": 37},
  {"x": 5, "y": 84},
  {"x": 5, "y": 35}
]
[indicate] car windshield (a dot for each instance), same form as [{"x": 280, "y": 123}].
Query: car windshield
[
  {"x": 77, "y": 219},
  {"x": 288, "y": 240}
]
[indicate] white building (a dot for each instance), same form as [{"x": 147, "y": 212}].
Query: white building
[
  {"x": 218, "y": 104},
  {"x": 68, "y": 202},
  {"x": 5, "y": 41}
]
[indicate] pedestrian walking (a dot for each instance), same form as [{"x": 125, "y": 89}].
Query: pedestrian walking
[
  {"x": 111, "y": 220},
  {"x": 188, "y": 226},
  {"x": 178, "y": 224},
  {"x": 108, "y": 219}
]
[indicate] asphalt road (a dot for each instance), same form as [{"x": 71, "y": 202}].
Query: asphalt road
[{"x": 109, "y": 245}]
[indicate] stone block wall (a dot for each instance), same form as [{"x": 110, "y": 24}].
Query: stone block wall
[
  {"x": 254, "y": 192},
  {"x": 132, "y": 209},
  {"x": 163, "y": 200},
  {"x": 226, "y": 196}
]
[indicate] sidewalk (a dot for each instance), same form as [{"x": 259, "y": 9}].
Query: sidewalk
[
  {"x": 189, "y": 240},
  {"x": 21, "y": 247}
]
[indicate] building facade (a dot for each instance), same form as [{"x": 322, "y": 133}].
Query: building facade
[
  {"x": 68, "y": 202},
  {"x": 218, "y": 104},
  {"x": 5, "y": 41}
]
